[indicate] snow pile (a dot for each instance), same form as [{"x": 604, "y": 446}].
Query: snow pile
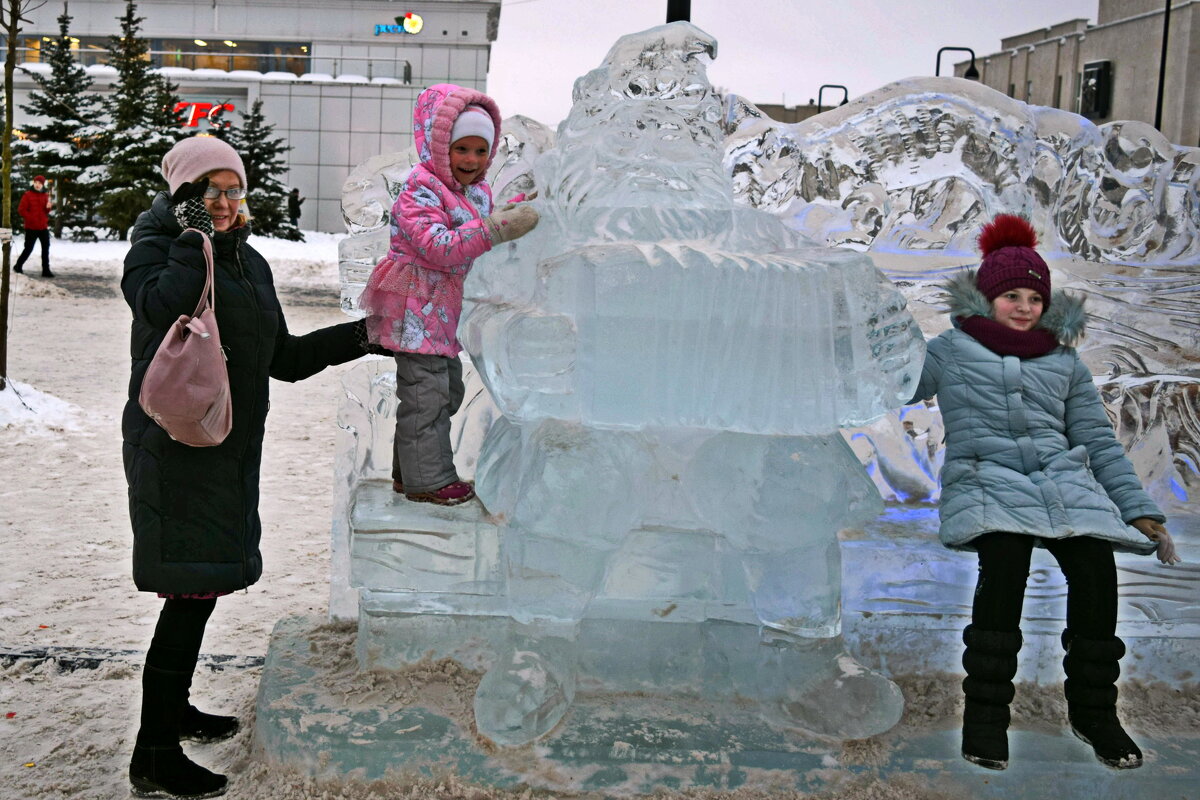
[{"x": 24, "y": 407}]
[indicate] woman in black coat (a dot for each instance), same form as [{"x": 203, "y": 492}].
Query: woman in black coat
[{"x": 194, "y": 510}]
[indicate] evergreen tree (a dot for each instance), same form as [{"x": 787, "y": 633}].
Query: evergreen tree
[
  {"x": 145, "y": 126},
  {"x": 263, "y": 156},
  {"x": 63, "y": 147}
]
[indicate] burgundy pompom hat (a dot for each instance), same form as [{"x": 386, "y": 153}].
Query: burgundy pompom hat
[{"x": 1010, "y": 260}]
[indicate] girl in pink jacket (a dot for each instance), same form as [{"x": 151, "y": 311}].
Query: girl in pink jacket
[{"x": 441, "y": 222}]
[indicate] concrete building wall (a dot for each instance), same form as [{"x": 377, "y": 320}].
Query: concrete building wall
[{"x": 1045, "y": 67}]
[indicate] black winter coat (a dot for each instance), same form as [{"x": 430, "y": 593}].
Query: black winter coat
[{"x": 195, "y": 509}]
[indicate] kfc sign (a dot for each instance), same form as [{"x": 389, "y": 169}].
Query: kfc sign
[{"x": 192, "y": 113}]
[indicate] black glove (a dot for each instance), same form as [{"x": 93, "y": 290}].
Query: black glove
[
  {"x": 188, "y": 205},
  {"x": 364, "y": 341}
]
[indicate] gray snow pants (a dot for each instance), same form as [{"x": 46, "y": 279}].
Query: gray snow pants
[{"x": 429, "y": 390}]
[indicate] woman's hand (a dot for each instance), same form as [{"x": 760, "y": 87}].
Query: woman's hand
[
  {"x": 189, "y": 208},
  {"x": 1155, "y": 532}
]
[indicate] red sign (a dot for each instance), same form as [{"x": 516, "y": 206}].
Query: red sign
[{"x": 198, "y": 111}]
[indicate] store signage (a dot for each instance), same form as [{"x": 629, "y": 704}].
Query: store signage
[
  {"x": 409, "y": 23},
  {"x": 192, "y": 113}
]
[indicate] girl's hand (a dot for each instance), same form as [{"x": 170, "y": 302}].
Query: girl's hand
[{"x": 1155, "y": 532}]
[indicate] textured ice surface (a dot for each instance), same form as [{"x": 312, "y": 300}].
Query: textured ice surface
[
  {"x": 673, "y": 365},
  {"x": 645, "y": 296},
  {"x": 672, "y": 370},
  {"x": 922, "y": 163}
]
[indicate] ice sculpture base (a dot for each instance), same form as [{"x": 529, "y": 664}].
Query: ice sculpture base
[{"x": 629, "y": 744}]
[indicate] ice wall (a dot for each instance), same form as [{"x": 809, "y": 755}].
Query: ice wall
[{"x": 921, "y": 164}]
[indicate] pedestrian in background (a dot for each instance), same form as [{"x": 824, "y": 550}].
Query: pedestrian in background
[
  {"x": 34, "y": 209},
  {"x": 294, "y": 203}
]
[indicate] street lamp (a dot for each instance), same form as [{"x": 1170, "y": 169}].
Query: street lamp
[
  {"x": 824, "y": 86},
  {"x": 679, "y": 10},
  {"x": 971, "y": 74}
]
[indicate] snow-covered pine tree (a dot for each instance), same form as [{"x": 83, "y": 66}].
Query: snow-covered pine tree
[
  {"x": 63, "y": 145},
  {"x": 262, "y": 154},
  {"x": 145, "y": 126}
]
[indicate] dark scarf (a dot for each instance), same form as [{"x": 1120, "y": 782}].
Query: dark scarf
[{"x": 1005, "y": 341}]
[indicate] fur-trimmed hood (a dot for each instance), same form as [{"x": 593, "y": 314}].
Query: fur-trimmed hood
[{"x": 1066, "y": 317}]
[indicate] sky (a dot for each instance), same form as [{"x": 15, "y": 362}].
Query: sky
[{"x": 768, "y": 51}]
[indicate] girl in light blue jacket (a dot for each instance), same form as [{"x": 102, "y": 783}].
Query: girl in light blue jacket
[{"x": 1031, "y": 459}]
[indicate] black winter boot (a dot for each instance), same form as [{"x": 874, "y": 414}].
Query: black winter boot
[
  {"x": 991, "y": 663},
  {"x": 1092, "y": 671},
  {"x": 166, "y": 772},
  {"x": 197, "y": 726},
  {"x": 159, "y": 767}
]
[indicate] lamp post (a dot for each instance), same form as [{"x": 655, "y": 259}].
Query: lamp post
[
  {"x": 1162, "y": 67},
  {"x": 971, "y": 74},
  {"x": 824, "y": 86},
  {"x": 679, "y": 10}
]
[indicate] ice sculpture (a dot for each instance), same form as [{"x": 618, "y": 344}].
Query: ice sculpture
[
  {"x": 672, "y": 369},
  {"x": 919, "y": 164}
]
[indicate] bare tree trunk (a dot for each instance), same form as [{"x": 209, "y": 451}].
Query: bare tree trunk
[
  {"x": 12, "y": 16},
  {"x": 10, "y": 22}
]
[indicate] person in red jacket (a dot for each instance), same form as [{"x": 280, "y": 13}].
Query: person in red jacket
[{"x": 34, "y": 209}]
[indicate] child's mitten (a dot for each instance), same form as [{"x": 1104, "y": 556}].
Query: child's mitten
[
  {"x": 188, "y": 205},
  {"x": 511, "y": 222}
]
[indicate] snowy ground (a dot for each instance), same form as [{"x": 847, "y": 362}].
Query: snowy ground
[{"x": 64, "y": 551}]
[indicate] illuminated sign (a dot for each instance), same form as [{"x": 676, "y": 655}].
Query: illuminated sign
[
  {"x": 198, "y": 111},
  {"x": 409, "y": 23}
]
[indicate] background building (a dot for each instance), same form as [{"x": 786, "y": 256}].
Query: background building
[
  {"x": 1110, "y": 70},
  {"x": 337, "y": 77}
]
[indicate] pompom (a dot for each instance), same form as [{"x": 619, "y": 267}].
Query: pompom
[{"x": 1006, "y": 230}]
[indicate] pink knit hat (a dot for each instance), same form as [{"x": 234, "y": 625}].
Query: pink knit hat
[
  {"x": 196, "y": 156},
  {"x": 1009, "y": 260}
]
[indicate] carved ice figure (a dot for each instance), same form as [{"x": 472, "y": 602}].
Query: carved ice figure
[
  {"x": 919, "y": 164},
  {"x": 673, "y": 369}
]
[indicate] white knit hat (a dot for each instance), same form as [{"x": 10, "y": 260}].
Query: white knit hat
[
  {"x": 191, "y": 158},
  {"x": 474, "y": 121}
]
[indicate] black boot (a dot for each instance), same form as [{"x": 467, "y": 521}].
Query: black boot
[
  {"x": 196, "y": 726},
  {"x": 159, "y": 767},
  {"x": 1092, "y": 671},
  {"x": 991, "y": 662},
  {"x": 167, "y": 772},
  {"x": 46, "y": 273}
]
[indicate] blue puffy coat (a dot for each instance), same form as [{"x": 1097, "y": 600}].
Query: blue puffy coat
[{"x": 1029, "y": 447}]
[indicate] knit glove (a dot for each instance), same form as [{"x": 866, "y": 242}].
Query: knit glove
[
  {"x": 1156, "y": 532},
  {"x": 363, "y": 339},
  {"x": 188, "y": 206},
  {"x": 511, "y": 222}
]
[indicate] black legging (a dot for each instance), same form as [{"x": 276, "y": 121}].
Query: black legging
[
  {"x": 181, "y": 629},
  {"x": 1087, "y": 564},
  {"x": 170, "y": 662}
]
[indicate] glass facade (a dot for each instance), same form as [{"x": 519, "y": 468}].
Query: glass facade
[{"x": 227, "y": 55}]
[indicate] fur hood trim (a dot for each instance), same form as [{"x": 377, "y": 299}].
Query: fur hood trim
[{"x": 1066, "y": 318}]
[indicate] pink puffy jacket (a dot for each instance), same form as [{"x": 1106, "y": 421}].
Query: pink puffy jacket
[{"x": 414, "y": 296}]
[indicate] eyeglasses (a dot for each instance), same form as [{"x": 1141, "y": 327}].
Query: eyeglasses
[{"x": 236, "y": 193}]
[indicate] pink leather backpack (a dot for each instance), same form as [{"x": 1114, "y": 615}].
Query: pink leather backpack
[{"x": 186, "y": 387}]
